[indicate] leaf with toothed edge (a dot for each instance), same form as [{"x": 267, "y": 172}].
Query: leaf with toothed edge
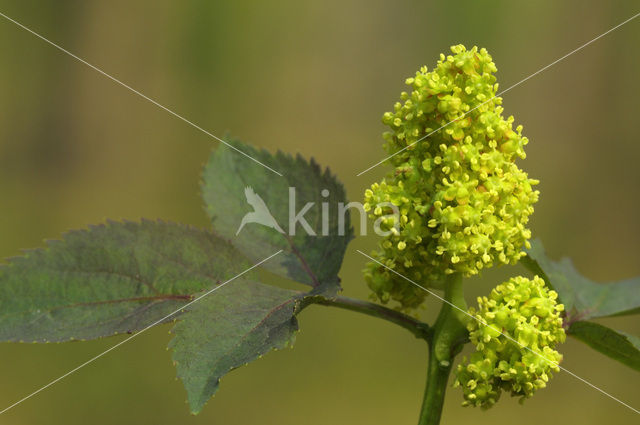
[
  {"x": 618, "y": 345},
  {"x": 311, "y": 259},
  {"x": 124, "y": 276},
  {"x": 113, "y": 278},
  {"x": 583, "y": 298},
  {"x": 239, "y": 323}
]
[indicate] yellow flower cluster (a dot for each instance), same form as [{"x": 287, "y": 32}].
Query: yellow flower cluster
[
  {"x": 516, "y": 331},
  {"x": 463, "y": 203}
]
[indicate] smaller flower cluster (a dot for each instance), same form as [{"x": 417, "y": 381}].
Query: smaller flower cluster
[{"x": 521, "y": 310}]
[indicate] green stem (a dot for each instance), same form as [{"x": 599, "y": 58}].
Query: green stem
[
  {"x": 449, "y": 333},
  {"x": 416, "y": 327}
]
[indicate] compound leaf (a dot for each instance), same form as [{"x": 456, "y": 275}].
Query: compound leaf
[
  {"x": 237, "y": 324},
  {"x": 239, "y": 194},
  {"x": 109, "y": 279},
  {"x": 618, "y": 345},
  {"x": 583, "y": 298}
]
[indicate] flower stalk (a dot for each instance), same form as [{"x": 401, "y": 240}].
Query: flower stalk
[{"x": 449, "y": 334}]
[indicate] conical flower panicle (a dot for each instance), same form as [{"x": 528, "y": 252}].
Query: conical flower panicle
[{"x": 464, "y": 204}]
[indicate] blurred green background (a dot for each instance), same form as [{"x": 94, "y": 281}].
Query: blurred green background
[{"x": 315, "y": 78}]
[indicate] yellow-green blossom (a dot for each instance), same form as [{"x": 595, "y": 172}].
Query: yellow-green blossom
[
  {"x": 464, "y": 204},
  {"x": 519, "y": 310}
]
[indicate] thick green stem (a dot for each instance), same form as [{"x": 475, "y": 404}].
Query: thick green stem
[
  {"x": 437, "y": 380},
  {"x": 449, "y": 333},
  {"x": 416, "y": 327}
]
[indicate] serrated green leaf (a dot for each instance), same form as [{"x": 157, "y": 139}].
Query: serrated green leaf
[
  {"x": 618, "y": 345},
  {"x": 314, "y": 260},
  {"x": 109, "y": 279},
  {"x": 583, "y": 298},
  {"x": 241, "y": 322}
]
